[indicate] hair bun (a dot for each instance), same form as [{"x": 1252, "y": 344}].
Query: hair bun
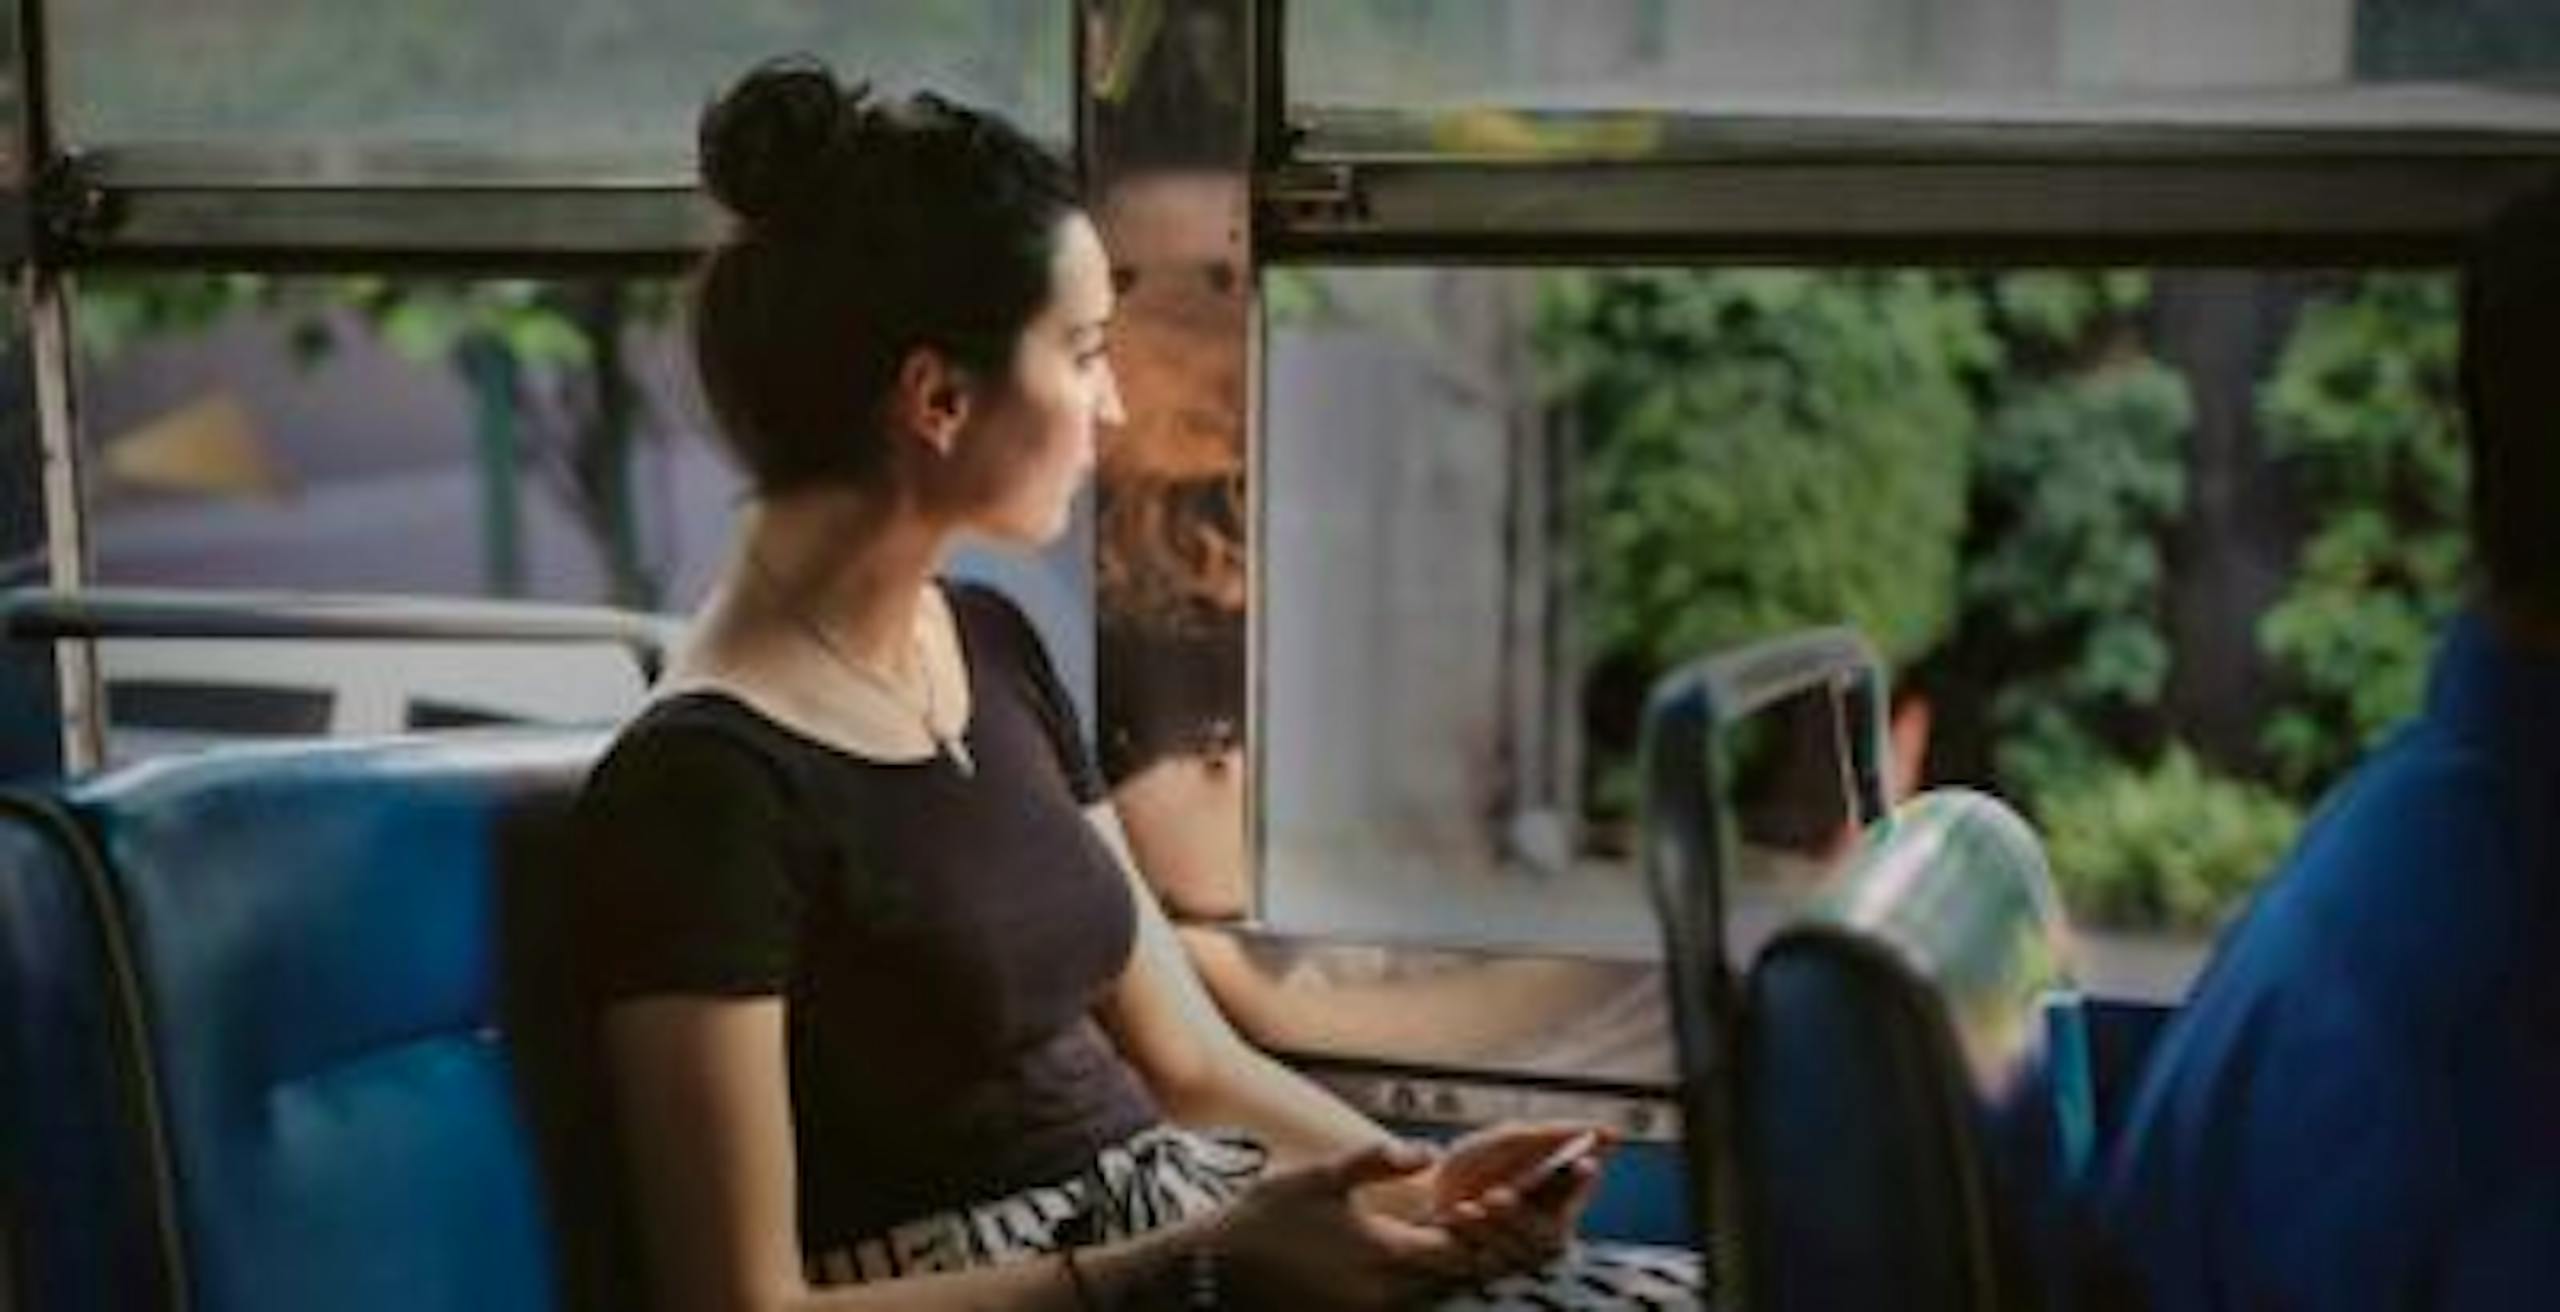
[{"x": 765, "y": 144}]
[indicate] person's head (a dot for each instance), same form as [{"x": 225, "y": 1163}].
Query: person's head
[
  {"x": 912, "y": 303},
  {"x": 2510, "y": 345}
]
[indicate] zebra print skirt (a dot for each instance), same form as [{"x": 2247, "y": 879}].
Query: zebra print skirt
[{"x": 1165, "y": 1174}]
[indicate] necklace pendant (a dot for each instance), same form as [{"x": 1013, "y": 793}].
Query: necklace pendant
[{"x": 957, "y": 752}]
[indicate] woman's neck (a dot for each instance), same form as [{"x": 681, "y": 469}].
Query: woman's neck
[{"x": 851, "y": 563}]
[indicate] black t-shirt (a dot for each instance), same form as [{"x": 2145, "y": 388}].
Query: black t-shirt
[{"x": 939, "y": 940}]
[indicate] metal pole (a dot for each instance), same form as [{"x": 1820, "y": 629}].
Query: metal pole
[
  {"x": 491, "y": 369},
  {"x": 43, "y": 292}
]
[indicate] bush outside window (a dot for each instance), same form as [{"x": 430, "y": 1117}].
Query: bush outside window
[{"x": 2164, "y": 551}]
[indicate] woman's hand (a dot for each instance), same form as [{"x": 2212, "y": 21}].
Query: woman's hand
[
  {"x": 1477, "y": 1193},
  {"x": 1297, "y": 1240}
]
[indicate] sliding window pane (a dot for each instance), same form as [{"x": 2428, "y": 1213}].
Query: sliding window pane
[
  {"x": 616, "y": 80},
  {"x": 2375, "y": 63}
]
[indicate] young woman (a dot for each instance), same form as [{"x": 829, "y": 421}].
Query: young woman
[{"x": 889, "y": 1021}]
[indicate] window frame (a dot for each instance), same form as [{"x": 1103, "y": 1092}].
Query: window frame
[{"x": 1328, "y": 186}]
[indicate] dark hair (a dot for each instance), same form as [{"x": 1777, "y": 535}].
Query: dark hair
[
  {"x": 865, "y": 229},
  {"x": 2510, "y": 320}
]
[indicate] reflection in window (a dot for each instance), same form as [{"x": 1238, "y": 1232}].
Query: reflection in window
[{"x": 2155, "y": 555}]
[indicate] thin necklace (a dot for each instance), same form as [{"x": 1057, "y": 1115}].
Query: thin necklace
[{"x": 948, "y": 745}]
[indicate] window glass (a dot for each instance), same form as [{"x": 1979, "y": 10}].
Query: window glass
[
  {"x": 2153, "y": 555},
  {"x": 362, "y": 434},
  {"x": 618, "y": 78},
  {"x": 2378, "y": 62},
  {"x": 477, "y": 439}
]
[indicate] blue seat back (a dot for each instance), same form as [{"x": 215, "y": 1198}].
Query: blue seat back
[
  {"x": 1894, "y": 1139},
  {"x": 344, "y": 969},
  {"x": 79, "y": 1172},
  {"x": 1866, "y": 1183}
]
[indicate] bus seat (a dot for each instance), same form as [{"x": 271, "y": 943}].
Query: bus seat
[
  {"x": 357, "y": 1053},
  {"x": 1866, "y": 1179},
  {"x": 2095, "y": 1048},
  {"x": 77, "y": 1194}
]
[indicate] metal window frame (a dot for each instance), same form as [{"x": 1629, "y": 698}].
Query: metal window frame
[
  {"x": 296, "y": 208},
  {"x": 2135, "y": 199},
  {"x": 1380, "y": 185},
  {"x": 1335, "y": 183},
  {"x": 2378, "y": 210}
]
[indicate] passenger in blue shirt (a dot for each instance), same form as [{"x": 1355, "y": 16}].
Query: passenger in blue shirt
[{"x": 2360, "y": 1106}]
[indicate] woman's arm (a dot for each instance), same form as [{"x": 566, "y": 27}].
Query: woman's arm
[
  {"x": 703, "y": 1096},
  {"x": 1203, "y": 1072}
]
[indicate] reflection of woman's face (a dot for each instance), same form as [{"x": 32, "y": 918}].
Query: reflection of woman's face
[
  {"x": 1182, "y": 339},
  {"x": 1028, "y": 449}
]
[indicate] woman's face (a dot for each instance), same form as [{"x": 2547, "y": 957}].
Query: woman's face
[{"x": 1031, "y": 442}]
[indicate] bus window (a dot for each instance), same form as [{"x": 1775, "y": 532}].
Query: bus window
[
  {"x": 592, "y": 86},
  {"x": 2154, "y": 555},
  {"x": 2327, "y": 62},
  {"x": 536, "y": 440},
  {"x": 477, "y": 438}
]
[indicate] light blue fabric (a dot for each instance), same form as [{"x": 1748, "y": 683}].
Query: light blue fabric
[{"x": 2360, "y": 1107}]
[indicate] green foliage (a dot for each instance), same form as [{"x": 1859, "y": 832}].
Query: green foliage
[
  {"x": 2082, "y": 473},
  {"x": 2088, "y": 472},
  {"x": 2363, "y": 408},
  {"x": 1765, "y": 450},
  {"x": 423, "y": 321},
  {"x": 118, "y": 311},
  {"x": 2057, "y": 310},
  {"x": 1296, "y": 298},
  {"x": 2172, "y": 846},
  {"x": 428, "y": 322}
]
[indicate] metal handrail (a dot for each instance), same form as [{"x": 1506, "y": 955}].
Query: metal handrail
[{"x": 46, "y": 614}]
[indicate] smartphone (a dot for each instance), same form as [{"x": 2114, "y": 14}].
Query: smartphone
[{"x": 1546, "y": 1179}]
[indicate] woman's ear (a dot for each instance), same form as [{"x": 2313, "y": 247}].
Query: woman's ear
[{"x": 932, "y": 399}]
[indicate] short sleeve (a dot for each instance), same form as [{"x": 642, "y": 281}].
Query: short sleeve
[
  {"x": 1049, "y": 699},
  {"x": 683, "y": 870}
]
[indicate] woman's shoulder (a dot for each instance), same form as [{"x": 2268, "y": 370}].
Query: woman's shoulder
[
  {"x": 690, "y": 739},
  {"x": 993, "y": 626},
  {"x": 999, "y": 634},
  {"x": 979, "y": 605}
]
